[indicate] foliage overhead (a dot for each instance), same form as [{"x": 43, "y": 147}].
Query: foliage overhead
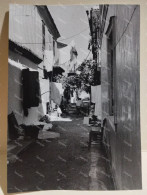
[{"x": 83, "y": 79}]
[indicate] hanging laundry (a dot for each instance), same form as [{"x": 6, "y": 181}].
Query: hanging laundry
[
  {"x": 74, "y": 98},
  {"x": 73, "y": 65},
  {"x": 65, "y": 67},
  {"x": 31, "y": 89},
  {"x": 93, "y": 94},
  {"x": 68, "y": 57},
  {"x": 96, "y": 95},
  {"x": 97, "y": 77},
  {"x": 84, "y": 95},
  {"x": 48, "y": 60},
  {"x": 64, "y": 54},
  {"x": 55, "y": 53},
  {"x": 56, "y": 92}
]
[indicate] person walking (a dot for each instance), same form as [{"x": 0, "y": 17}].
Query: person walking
[
  {"x": 78, "y": 106},
  {"x": 59, "y": 112}
]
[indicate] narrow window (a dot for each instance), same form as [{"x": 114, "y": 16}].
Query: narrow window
[{"x": 111, "y": 64}]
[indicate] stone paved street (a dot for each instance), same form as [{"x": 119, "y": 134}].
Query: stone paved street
[{"x": 63, "y": 163}]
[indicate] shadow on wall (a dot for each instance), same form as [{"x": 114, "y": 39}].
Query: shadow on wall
[
  {"x": 15, "y": 93},
  {"x": 3, "y": 99}
]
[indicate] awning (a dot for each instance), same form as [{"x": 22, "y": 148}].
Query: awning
[
  {"x": 60, "y": 45},
  {"x": 13, "y": 46}
]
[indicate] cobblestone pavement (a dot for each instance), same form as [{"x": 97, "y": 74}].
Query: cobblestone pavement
[{"x": 61, "y": 164}]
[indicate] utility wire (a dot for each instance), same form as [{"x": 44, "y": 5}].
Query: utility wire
[
  {"x": 61, "y": 39},
  {"x": 45, "y": 93},
  {"x": 88, "y": 55},
  {"x": 75, "y": 34},
  {"x": 126, "y": 26}
]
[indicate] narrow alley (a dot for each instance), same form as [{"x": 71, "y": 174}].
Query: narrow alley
[
  {"x": 74, "y": 98},
  {"x": 63, "y": 163}
]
